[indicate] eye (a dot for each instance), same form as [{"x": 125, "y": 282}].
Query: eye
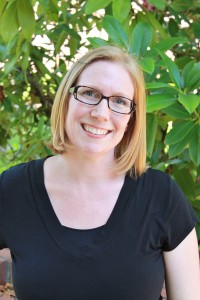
[
  {"x": 91, "y": 94},
  {"x": 88, "y": 93},
  {"x": 120, "y": 101}
]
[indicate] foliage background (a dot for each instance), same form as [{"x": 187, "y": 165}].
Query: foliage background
[{"x": 38, "y": 42}]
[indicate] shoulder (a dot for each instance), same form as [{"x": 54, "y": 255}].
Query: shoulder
[
  {"x": 153, "y": 190},
  {"x": 168, "y": 195},
  {"x": 153, "y": 179},
  {"x": 13, "y": 174},
  {"x": 160, "y": 189},
  {"x": 155, "y": 175},
  {"x": 18, "y": 175},
  {"x": 162, "y": 184},
  {"x": 15, "y": 170}
]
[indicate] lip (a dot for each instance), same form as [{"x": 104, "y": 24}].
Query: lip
[{"x": 94, "y": 130}]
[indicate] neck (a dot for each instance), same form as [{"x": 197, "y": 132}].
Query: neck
[{"x": 87, "y": 168}]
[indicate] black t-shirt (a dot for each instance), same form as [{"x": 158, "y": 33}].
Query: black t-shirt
[{"x": 122, "y": 260}]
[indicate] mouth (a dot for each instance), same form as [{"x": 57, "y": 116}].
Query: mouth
[{"x": 94, "y": 130}]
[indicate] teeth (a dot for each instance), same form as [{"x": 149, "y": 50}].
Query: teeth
[{"x": 94, "y": 130}]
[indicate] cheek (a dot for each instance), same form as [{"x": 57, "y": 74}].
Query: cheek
[
  {"x": 125, "y": 123},
  {"x": 77, "y": 109},
  {"x": 72, "y": 113}
]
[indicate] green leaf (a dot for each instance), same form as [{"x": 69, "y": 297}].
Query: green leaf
[
  {"x": 25, "y": 60},
  {"x": 63, "y": 28},
  {"x": 159, "y": 101},
  {"x": 182, "y": 61},
  {"x": 194, "y": 148},
  {"x": 181, "y": 5},
  {"x": 169, "y": 43},
  {"x": 73, "y": 45},
  {"x": 179, "y": 131},
  {"x": 115, "y": 31},
  {"x": 3, "y": 52},
  {"x": 147, "y": 64},
  {"x": 41, "y": 67},
  {"x": 18, "y": 47},
  {"x": 176, "y": 149},
  {"x": 2, "y": 6},
  {"x": 96, "y": 42},
  {"x": 26, "y": 18},
  {"x": 121, "y": 9},
  {"x": 10, "y": 65},
  {"x": 152, "y": 124},
  {"x": 190, "y": 101},
  {"x": 9, "y": 23},
  {"x": 160, "y": 4},
  {"x": 157, "y": 85},
  {"x": 189, "y": 66},
  {"x": 7, "y": 104},
  {"x": 156, "y": 24},
  {"x": 191, "y": 75},
  {"x": 65, "y": 7},
  {"x": 60, "y": 40},
  {"x": 92, "y": 6},
  {"x": 185, "y": 181},
  {"x": 196, "y": 29},
  {"x": 140, "y": 38},
  {"x": 176, "y": 111},
  {"x": 173, "y": 27},
  {"x": 173, "y": 70}
]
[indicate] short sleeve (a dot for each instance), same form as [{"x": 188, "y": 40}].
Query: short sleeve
[
  {"x": 2, "y": 243},
  {"x": 180, "y": 217}
]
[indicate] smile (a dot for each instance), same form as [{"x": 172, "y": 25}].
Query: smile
[{"x": 94, "y": 130}]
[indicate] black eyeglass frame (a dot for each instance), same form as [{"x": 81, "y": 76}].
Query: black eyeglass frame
[{"x": 73, "y": 90}]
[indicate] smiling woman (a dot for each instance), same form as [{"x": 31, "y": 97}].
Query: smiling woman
[{"x": 105, "y": 226}]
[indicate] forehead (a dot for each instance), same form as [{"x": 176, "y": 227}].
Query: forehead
[{"x": 103, "y": 73}]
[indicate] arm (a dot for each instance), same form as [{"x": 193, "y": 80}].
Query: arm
[{"x": 182, "y": 270}]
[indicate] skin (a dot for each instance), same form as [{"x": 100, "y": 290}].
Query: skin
[
  {"x": 110, "y": 79},
  {"x": 182, "y": 270}
]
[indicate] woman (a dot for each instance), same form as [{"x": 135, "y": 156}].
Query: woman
[{"x": 92, "y": 222}]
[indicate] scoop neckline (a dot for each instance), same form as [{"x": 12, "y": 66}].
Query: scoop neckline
[{"x": 58, "y": 232}]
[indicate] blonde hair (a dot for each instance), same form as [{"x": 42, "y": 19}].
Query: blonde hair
[{"x": 130, "y": 153}]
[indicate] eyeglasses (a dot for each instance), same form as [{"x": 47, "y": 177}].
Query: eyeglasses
[{"x": 90, "y": 96}]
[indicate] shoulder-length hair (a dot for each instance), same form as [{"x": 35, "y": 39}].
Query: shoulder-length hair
[{"x": 130, "y": 153}]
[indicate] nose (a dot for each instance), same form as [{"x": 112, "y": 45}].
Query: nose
[{"x": 101, "y": 111}]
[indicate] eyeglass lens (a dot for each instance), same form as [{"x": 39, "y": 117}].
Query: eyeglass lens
[{"x": 92, "y": 97}]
